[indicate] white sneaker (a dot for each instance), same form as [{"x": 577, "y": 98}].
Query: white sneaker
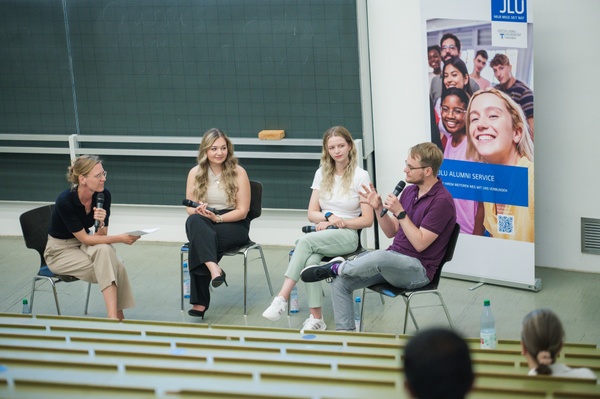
[
  {"x": 314, "y": 324},
  {"x": 276, "y": 309}
]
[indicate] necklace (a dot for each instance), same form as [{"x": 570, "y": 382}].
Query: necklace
[{"x": 214, "y": 177}]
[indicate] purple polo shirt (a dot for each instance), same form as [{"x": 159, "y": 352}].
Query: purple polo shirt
[{"x": 435, "y": 212}]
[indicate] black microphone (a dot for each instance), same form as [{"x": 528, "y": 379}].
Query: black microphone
[
  {"x": 397, "y": 191},
  {"x": 193, "y": 204},
  {"x": 313, "y": 228},
  {"x": 99, "y": 205}
]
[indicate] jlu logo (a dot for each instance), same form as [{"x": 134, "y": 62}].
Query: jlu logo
[{"x": 507, "y": 7}]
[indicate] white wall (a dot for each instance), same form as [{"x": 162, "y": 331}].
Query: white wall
[{"x": 566, "y": 38}]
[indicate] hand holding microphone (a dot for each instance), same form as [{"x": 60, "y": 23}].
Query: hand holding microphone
[
  {"x": 399, "y": 187},
  {"x": 99, "y": 205},
  {"x": 193, "y": 204}
]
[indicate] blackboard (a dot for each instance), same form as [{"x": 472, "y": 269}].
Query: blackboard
[{"x": 175, "y": 68}]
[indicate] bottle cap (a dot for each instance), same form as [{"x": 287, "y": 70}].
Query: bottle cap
[
  {"x": 486, "y": 302},
  {"x": 24, "y": 301},
  {"x": 357, "y": 299}
]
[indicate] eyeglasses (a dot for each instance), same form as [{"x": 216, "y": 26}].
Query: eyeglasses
[
  {"x": 455, "y": 111},
  {"x": 101, "y": 175},
  {"x": 411, "y": 168},
  {"x": 449, "y": 47}
]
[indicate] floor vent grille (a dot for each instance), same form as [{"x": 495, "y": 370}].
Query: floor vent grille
[{"x": 590, "y": 236}]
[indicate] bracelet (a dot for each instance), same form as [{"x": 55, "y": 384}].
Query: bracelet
[{"x": 219, "y": 219}]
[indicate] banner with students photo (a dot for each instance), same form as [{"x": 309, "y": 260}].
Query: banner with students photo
[{"x": 480, "y": 89}]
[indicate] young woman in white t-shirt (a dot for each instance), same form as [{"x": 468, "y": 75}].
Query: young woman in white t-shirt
[{"x": 334, "y": 202}]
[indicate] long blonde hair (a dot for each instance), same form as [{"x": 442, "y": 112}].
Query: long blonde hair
[
  {"x": 328, "y": 163},
  {"x": 228, "y": 172},
  {"x": 519, "y": 121},
  {"x": 81, "y": 167}
]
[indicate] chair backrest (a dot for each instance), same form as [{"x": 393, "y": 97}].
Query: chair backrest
[
  {"x": 34, "y": 224},
  {"x": 256, "y": 190},
  {"x": 447, "y": 256}
]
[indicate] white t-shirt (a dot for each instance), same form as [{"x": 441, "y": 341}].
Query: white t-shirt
[
  {"x": 345, "y": 205},
  {"x": 560, "y": 370}
]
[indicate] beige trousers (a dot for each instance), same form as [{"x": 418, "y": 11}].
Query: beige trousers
[{"x": 95, "y": 264}]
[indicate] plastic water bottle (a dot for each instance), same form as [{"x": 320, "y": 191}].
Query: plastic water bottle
[
  {"x": 488, "y": 327},
  {"x": 294, "y": 305},
  {"x": 26, "y": 308},
  {"x": 357, "y": 309},
  {"x": 186, "y": 280}
]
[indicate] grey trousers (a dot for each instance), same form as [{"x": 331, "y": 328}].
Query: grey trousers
[
  {"x": 375, "y": 267},
  {"x": 95, "y": 264}
]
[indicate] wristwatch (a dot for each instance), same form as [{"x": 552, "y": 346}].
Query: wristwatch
[
  {"x": 401, "y": 215},
  {"x": 328, "y": 215}
]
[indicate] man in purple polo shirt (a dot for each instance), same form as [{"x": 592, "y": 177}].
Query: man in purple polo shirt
[{"x": 421, "y": 223}]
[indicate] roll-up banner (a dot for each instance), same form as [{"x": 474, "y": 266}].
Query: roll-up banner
[{"x": 479, "y": 65}]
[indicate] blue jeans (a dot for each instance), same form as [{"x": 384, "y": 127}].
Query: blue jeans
[{"x": 375, "y": 267}]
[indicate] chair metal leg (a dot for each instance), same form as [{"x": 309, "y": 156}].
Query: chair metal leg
[
  {"x": 51, "y": 281},
  {"x": 362, "y": 308},
  {"x": 409, "y": 311},
  {"x": 181, "y": 277},
  {"x": 55, "y": 295},
  {"x": 262, "y": 257},
  {"x": 32, "y": 295},
  {"x": 245, "y": 278},
  {"x": 87, "y": 299},
  {"x": 445, "y": 309}
]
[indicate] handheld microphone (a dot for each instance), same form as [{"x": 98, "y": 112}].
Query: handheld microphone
[
  {"x": 193, "y": 204},
  {"x": 313, "y": 228},
  {"x": 397, "y": 191},
  {"x": 99, "y": 205}
]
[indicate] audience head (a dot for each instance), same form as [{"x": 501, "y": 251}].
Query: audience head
[
  {"x": 428, "y": 154},
  {"x": 450, "y": 45},
  {"x": 434, "y": 58},
  {"x": 456, "y": 74},
  {"x": 80, "y": 168},
  {"x": 437, "y": 364},
  {"x": 542, "y": 337},
  {"x": 497, "y": 129}
]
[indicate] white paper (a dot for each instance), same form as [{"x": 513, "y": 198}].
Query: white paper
[{"x": 141, "y": 232}]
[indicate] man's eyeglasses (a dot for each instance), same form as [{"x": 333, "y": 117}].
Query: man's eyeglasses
[
  {"x": 449, "y": 47},
  {"x": 101, "y": 175},
  {"x": 455, "y": 111},
  {"x": 414, "y": 167}
]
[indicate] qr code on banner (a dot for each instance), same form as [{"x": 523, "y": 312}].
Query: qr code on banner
[{"x": 506, "y": 224}]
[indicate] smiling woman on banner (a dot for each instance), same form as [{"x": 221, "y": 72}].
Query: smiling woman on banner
[
  {"x": 498, "y": 134},
  {"x": 454, "y": 75},
  {"x": 469, "y": 213}
]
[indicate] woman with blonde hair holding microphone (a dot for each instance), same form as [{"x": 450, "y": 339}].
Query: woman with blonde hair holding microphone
[{"x": 77, "y": 250}]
